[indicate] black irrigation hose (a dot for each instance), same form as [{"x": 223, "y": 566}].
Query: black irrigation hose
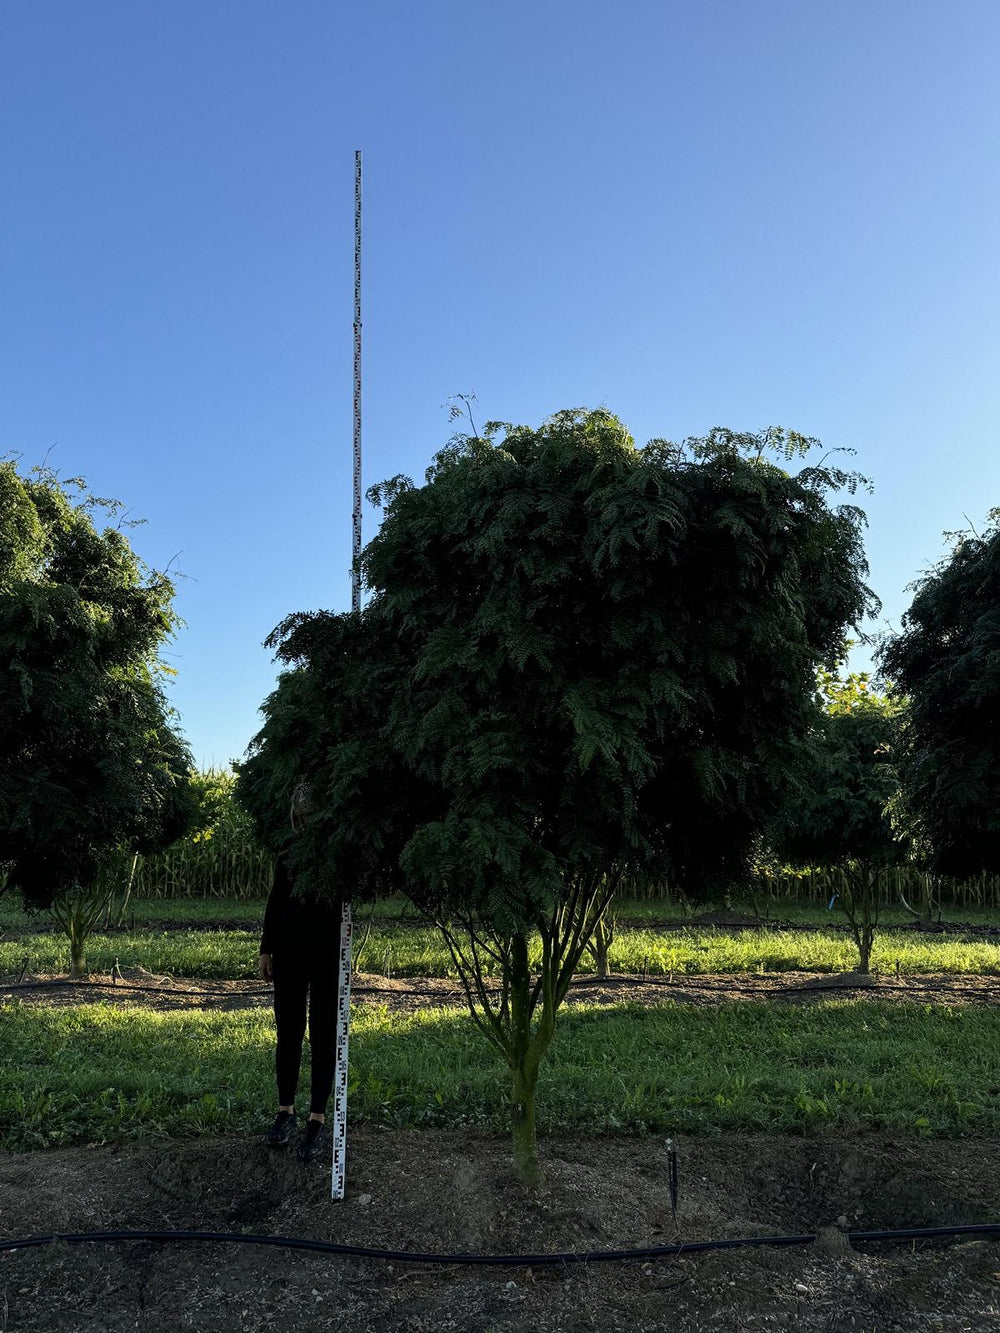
[
  {"x": 621, "y": 982},
  {"x": 177, "y": 990},
  {"x": 885, "y": 985},
  {"x": 682, "y": 983},
  {"x": 496, "y": 1260},
  {"x": 122, "y": 985}
]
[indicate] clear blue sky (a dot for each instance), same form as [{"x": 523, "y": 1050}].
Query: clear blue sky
[{"x": 716, "y": 212}]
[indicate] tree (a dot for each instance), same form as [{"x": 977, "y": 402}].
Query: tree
[
  {"x": 583, "y": 666},
  {"x": 599, "y": 944},
  {"x": 946, "y": 662},
  {"x": 91, "y": 768},
  {"x": 839, "y": 812}
]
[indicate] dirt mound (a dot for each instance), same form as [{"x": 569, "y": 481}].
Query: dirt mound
[{"x": 449, "y": 1193}]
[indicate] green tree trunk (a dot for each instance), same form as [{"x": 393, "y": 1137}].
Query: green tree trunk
[
  {"x": 600, "y": 946},
  {"x": 524, "y": 1058},
  {"x": 860, "y": 904},
  {"x": 77, "y": 956},
  {"x": 520, "y": 1020},
  {"x": 932, "y": 897},
  {"x": 527, "y": 1167},
  {"x": 865, "y": 951}
]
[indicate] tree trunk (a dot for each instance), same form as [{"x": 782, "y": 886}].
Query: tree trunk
[
  {"x": 524, "y": 1068},
  {"x": 519, "y": 1020},
  {"x": 77, "y": 957},
  {"x": 524, "y": 1141},
  {"x": 865, "y": 950},
  {"x": 600, "y": 947},
  {"x": 860, "y": 904},
  {"x": 932, "y": 897}
]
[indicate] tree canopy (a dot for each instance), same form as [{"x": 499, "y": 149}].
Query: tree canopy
[
  {"x": 839, "y": 810},
  {"x": 845, "y": 781},
  {"x": 89, "y": 760},
  {"x": 579, "y": 654},
  {"x": 583, "y": 665},
  {"x": 946, "y": 661},
  {"x": 327, "y": 725}
]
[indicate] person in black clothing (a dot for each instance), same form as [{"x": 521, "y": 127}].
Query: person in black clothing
[{"x": 299, "y": 953}]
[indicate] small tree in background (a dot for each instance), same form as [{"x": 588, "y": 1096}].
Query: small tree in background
[
  {"x": 946, "y": 662},
  {"x": 599, "y": 944},
  {"x": 839, "y": 813},
  {"x": 80, "y": 909},
  {"x": 91, "y": 769},
  {"x": 584, "y": 666}
]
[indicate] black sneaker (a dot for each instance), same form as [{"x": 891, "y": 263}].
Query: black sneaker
[
  {"x": 281, "y": 1131},
  {"x": 312, "y": 1140}
]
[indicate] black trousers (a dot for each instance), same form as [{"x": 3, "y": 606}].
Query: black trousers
[{"x": 300, "y": 973}]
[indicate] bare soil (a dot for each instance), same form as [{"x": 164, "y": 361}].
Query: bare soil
[
  {"x": 139, "y": 987},
  {"x": 449, "y": 1193}
]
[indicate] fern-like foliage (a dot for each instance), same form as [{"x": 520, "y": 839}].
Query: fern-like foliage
[
  {"x": 946, "y": 661},
  {"x": 90, "y": 760},
  {"x": 579, "y": 659}
]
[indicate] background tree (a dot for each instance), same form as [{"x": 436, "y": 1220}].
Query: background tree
[
  {"x": 91, "y": 769},
  {"x": 839, "y": 812},
  {"x": 599, "y": 944},
  {"x": 946, "y": 662},
  {"x": 583, "y": 666}
]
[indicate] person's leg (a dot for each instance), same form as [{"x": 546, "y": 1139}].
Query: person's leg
[
  {"x": 323, "y": 979},
  {"x": 291, "y": 982},
  {"x": 323, "y": 992}
]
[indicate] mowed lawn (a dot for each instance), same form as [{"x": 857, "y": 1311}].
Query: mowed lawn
[
  {"x": 419, "y": 951},
  {"x": 96, "y": 1073}
]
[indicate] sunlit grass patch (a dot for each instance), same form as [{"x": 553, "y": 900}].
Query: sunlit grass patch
[
  {"x": 220, "y": 954},
  {"x": 403, "y": 951},
  {"x": 696, "y": 951},
  {"x": 95, "y": 1073}
]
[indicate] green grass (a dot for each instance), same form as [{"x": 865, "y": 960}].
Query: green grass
[
  {"x": 247, "y": 912},
  {"x": 417, "y": 951},
  {"x": 763, "y": 950},
  {"x": 96, "y": 1073},
  {"x": 220, "y": 955},
  {"x": 791, "y": 912},
  {"x": 196, "y": 911}
]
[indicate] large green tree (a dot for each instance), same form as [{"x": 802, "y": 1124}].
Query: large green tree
[
  {"x": 838, "y": 813},
  {"x": 946, "y": 662},
  {"x": 583, "y": 665},
  {"x": 91, "y": 767}
]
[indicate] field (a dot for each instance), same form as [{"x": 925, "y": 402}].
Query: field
[
  {"x": 450, "y": 1193},
  {"x": 796, "y": 1097}
]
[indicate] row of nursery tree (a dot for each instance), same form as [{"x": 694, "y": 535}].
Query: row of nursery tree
[
  {"x": 582, "y": 668},
  {"x": 221, "y": 858}
]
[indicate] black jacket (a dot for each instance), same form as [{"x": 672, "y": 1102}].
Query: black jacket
[{"x": 296, "y": 923}]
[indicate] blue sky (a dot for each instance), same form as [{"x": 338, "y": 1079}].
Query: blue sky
[{"x": 701, "y": 213}]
